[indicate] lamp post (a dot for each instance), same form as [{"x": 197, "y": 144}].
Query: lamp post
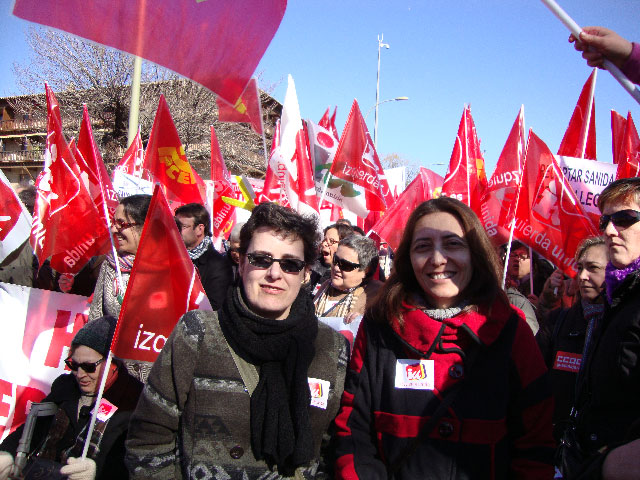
[
  {"x": 397, "y": 99},
  {"x": 375, "y": 127}
]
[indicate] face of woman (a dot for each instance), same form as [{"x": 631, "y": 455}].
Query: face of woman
[
  {"x": 591, "y": 270},
  {"x": 329, "y": 245},
  {"x": 519, "y": 263},
  {"x": 623, "y": 242},
  {"x": 441, "y": 258},
  {"x": 342, "y": 279},
  {"x": 126, "y": 232},
  {"x": 88, "y": 382}
]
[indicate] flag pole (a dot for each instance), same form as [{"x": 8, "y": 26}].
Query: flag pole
[
  {"x": 96, "y": 407},
  {"x": 134, "y": 109},
  {"x": 588, "y": 122},
  {"x": 264, "y": 139},
  {"x": 576, "y": 30}
]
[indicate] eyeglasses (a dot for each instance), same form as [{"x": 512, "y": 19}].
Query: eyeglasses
[
  {"x": 264, "y": 260},
  {"x": 182, "y": 227},
  {"x": 519, "y": 256},
  {"x": 88, "y": 367},
  {"x": 330, "y": 241},
  {"x": 622, "y": 218},
  {"x": 121, "y": 225},
  {"x": 344, "y": 265}
]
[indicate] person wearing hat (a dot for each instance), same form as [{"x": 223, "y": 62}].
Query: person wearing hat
[{"x": 60, "y": 438}]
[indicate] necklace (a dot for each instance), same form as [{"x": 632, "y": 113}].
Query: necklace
[{"x": 444, "y": 313}]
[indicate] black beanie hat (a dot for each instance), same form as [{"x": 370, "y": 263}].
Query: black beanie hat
[{"x": 97, "y": 334}]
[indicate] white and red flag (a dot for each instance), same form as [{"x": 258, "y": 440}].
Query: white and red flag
[
  {"x": 66, "y": 222},
  {"x": 498, "y": 205},
  {"x": 290, "y": 160},
  {"x": 579, "y": 140},
  {"x": 271, "y": 191},
  {"x": 628, "y": 155},
  {"x": 466, "y": 179},
  {"x": 425, "y": 186},
  {"x": 15, "y": 220},
  {"x": 358, "y": 181},
  {"x": 163, "y": 286},
  {"x": 549, "y": 217},
  {"x": 323, "y": 143},
  {"x": 618, "y": 127},
  {"x": 131, "y": 162},
  {"x": 216, "y": 43},
  {"x": 167, "y": 163},
  {"x": 223, "y": 213},
  {"x": 246, "y": 109}
]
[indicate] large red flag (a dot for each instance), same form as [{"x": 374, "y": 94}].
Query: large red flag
[
  {"x": 246, "y": 109},
  {"x": 618, "y": 126},
  {"x": 163, "y": 286},
  {"x": 549, "y": 217},
  {"x": 131, "y": 162},
  {"x": 498, "y": 206},
  {"x": 580, "y": 138},
  {"x": 167, "y": 163},
  {"x": 216, "y": 43},
  {"x": 223, "y": 213},
  {"x": 629, "y": 153},
  {"x": 323, "y": 143},
  {"x": 66, "y": 222},
  {"x": 466, "y": 179},
  {"x": 15, "y": 221},
  {"x": 271, "y": 191},
  {"x": 425, "y": 186},
  {"x": 359, "y": 183}
]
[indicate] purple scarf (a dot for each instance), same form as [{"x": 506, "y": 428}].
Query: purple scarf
[{"x": 615, "y": 276}]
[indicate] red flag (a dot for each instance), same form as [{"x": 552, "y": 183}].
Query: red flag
[
  {"x": 329, "y": 122},
  {"x": 580, "y": 138},
  {"x": 357, "y": 170},
  {"x": 549, "y": 217},
  {"x": 629, "y": 153},
  {"x": 498, "y": 206},
  {"x": 216, "y": 43},
  {"x": 271, "y": 191},
  {"x": 131, "y": 162},
  {"x": 246, "y": 109},
  {"x": 163, "y": 286},
  {"x": 618, "y": 126},
  {"x": 223, "y": 213},
  {"x": 15, "y": 221},
  {"x": 425, "y": 186},
  {"x": 166, "y": 162},
  {"x": 322, "y": 147},
  {"x": 66, "y": 223},
  {"x": 466, "y": 179}
]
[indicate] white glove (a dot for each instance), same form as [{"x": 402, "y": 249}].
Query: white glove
[
  {"x": 6, "y": 463},
  {"x": 79, "y": 469}
]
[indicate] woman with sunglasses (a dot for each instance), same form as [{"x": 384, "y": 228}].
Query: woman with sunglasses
[
  {"x": 321, "y": 268},
  {"x": 608, "y": 402},
  {"x": 446, "y": 380},
  {"x": 60, "y": 438},
  {"x": 351, "y": 285}
]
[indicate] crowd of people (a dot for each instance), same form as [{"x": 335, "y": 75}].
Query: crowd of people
[{"x": 453, "y": 373}]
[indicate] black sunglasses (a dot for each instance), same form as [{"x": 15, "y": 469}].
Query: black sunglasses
[
  {"x": 264, "y": 260},
  {"x": 344, "y": 265},
  {"x": 622, "y": 218},
  {"x": 86, "y": 366}
]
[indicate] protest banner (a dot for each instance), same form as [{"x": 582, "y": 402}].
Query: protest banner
[{"x": 126, "y": 185}]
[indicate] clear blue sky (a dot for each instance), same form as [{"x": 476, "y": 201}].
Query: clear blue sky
[{"x": 494, "y": 55}]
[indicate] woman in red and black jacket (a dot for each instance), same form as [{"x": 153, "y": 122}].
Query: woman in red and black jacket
[{"x": 446, "y": 380}]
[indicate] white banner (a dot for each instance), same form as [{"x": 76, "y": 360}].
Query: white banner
[
  {"x": 349, "y": 330},
  {"x": 37, "y": 328},
  {"x": 126, "y": 185}
]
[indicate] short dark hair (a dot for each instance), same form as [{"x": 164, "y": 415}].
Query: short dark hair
[
  {"x": 198, "y": 213},
  {"x": 284, "y": 222},
  {"x": 620, "y": 191},
  {"x": 483, "y": 288},
  {"x": 366, "y": 250},
  {"x": 136, "y": 207},
  {"x": 343, "y": 229}
]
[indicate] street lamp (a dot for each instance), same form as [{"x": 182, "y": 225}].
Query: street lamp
[
  {"x": 397, "y": 99},
  {"x": 375, "y": 127}
]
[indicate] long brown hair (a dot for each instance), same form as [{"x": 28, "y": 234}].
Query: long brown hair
[{"x": 483, "y": 288}]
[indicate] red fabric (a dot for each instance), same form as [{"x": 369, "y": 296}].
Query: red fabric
[
  {"x": 131, "y": 162},
  {"x": 618, "y": 126},
  {"x": 357, "y": 161},
  {"x": 216, "y": 43},
  {"x": 424, "y": 187},
  {"x": 10, "y": 208},
  {"x": 466, "y": 179},
  {"x": 163, "y": 286},
  {"x": 66, "y": 222},
  {"x": 549, "y": 217},
  {"x": 271, "y": 190},
  {"x": 167, "y": 163},
  {"x": 499, "y": 202},
  {"x": 223, "y": 213},
  {"x": 573, "y": 143},
  {"x": 629, "y": 154},
  {"x": 345, "y": 466},
  {"x": 329, "y": 122},
  {"x": 246, "y": 109}
]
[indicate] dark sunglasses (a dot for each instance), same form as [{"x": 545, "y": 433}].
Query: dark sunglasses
[
  {"x": 622, "y": 218},
  {"x": 344, "y": 265},
  {"x": 288, "y": 265},
  {"x": 120, "y": 225},
  {"x": 85, "y": 366}
]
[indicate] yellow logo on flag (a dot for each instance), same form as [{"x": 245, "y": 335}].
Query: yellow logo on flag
[
  {"x": 178, "y": 167},
  {"x": 240, "y": 106},
  {"x": 482, "y": 176}
]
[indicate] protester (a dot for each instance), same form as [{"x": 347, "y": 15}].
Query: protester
[
  {"x": 61, "y": 438},
  {"x": 561, "y": 338},
  {"x": 351, "y": 287},
  {"x": 598, "y": 43},
  {"x": 321, "y": 268},
  {"x": 522, "y": 266},
  {"x": 233, "y": 254},
  {"x": 608, "y": 396},
  {"x": 517, "y": 299},
  {"x": 229, "y": 395},
  {"x": 215, "y": 271},
  {"x": 441, "y": 327}
]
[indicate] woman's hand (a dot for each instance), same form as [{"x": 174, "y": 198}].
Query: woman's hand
[
  {"x": 622, "y": 463},
  {"x": 351, "y": 317},
  {"x": 6, "y": 464},
  {"x": 79, "y": 469},
  {"x": 598, "y": 43}
]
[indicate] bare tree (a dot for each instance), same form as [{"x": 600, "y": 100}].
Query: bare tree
[{"x": 393, "y": 160}]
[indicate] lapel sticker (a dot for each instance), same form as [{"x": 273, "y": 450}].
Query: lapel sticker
[
  {"x": 416, "y": 374},
  {"x": 569, "y": 362},
  {"x": 319, "y": 392},
  {"x": 106, "y": 410}
]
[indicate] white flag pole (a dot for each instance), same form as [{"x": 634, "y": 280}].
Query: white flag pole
[
  {"x": 590, "y": 107},
  {"x": 94, "y": 412},
  {"x": 575, "y": 29}
]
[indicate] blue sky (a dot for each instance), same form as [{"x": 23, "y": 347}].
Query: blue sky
[{"x": 494, "y": 55}]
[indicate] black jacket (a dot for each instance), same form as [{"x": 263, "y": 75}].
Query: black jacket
[
  {"x": 65, "y": 393},
  {"x": 216, "y": 275}
]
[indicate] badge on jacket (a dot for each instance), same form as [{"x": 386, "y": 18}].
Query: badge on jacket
[
  {"x": 567, "y": 361},
  {"x": 319, "y": 392},
  {"x": 416, "y": 374}
]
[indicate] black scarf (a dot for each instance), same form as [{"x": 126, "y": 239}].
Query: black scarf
[{"x": 283, "y": 350}]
